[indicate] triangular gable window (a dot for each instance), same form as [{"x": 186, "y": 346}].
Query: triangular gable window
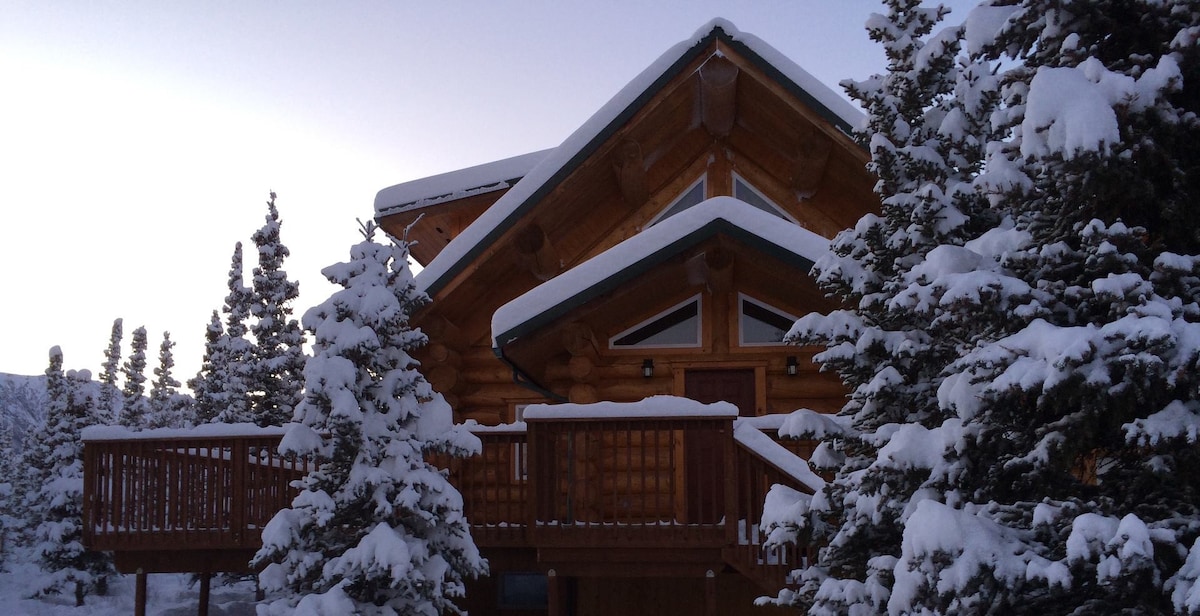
[
  {"x": 692, "y": 196},
  {"x": 743, "y": 191},
  {"x": 678, "y": 326},
  {"x": 760, "y": 324}
]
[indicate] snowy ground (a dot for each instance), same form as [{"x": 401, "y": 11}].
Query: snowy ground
[{"x": 168, "y": 595}]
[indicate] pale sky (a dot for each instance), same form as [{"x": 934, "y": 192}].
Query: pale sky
[{"x": 139, "y": 140}]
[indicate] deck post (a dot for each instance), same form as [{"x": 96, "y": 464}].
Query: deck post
[
  {"x": 731, "y": 488},
  {"x": 205, "y": 587},
  {"x": 139, "y": 593},
  {"x": 238, "y": 457},
  {"x": 710, "y": 593},
  {"x": 554, "y": 597}
]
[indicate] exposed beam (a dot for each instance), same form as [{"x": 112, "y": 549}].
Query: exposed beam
[
  {"x": 578, "y": 339},
  {"x": 808, "y": 166},
  {"x": 718, "y": 95},
  {"x": 537, "y": 253},
  {"x": 443, "y": 378},
  {"x": 630, "y": 168},
  {"x": 443, "y": 331}
]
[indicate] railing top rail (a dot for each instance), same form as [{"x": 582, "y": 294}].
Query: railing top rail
[
  {"x": 481, "y": 430},
  {"x": 654, "y": 407},
  {"x": 759, "y": 445},
  {"x": 207, "y": 432},
  {"x": 721, "y": 419}
]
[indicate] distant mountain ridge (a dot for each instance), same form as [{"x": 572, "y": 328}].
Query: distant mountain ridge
[{"x": 22, "y": 403}]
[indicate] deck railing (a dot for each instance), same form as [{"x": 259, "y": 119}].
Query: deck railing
[
  {"x": 641, "y": 482},
  {"x": 494, "y": 485},
  {"x": 754, "y": 474},
  {"x": 214, "y": 492},
  {"x": 632, "y": 481}
]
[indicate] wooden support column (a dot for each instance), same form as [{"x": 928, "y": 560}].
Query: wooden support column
[
  {"x": 554, "y": 595},
  {"x": 720, "y": 284},
  {"x": 718, "y": 95},
  {"x": 710, "y": 593},
  {"x": 139, "y": 593},
  {"x": 205, "y": 588}
]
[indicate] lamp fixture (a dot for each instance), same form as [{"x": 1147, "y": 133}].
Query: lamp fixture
[
  {"x": 792, "y": 367},
  {"x": 647, "y": 368}
]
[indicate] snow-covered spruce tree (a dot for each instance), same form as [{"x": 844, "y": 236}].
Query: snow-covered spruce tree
[
  {"x": 235, "y": 347},
  {"x": 925, "y": 131},
  {"x": 108, "y": 404},
  {"x": 134, "y": 405},
  {"x": 1061, "y": 476},
  {"x": 10, "y": 511},
  {"x": 376, "y": 528},
  {"x": 39, "y": 447},
  {"x": 168, "y": 408},
  {"x": 277, "y": 363},
  {"x": 207, "y": 386},
  {"x": 58, "y": 508}
]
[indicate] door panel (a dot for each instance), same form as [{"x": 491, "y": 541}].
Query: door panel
[{"x": 704, "y": 456}]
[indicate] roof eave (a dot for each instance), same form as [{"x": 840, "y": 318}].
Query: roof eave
[
  {"x": 717, "y": 33},
  {"x": 616, "y": 279}
]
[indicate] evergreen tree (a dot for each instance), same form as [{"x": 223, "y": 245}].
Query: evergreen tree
[
  {"x": 889, "y": 348},
  {"x": 168, "y": 408},
  {"x": 277, "y": 372},
  {"x": 207, "y": 386},
  {"x": 10, "y": 512},
  {"x": 234, "y": 387},
  {"x": 39, "y": 451},
  {"x": 59, "y": 503},
  {"x": 1047, "y": 461},
  {"x": 134, "y": 406},
  {"x": 109, "y": 392},
  {"x": 376, "y": 528}
]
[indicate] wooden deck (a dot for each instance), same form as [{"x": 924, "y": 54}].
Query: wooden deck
[{"x": 672, "y": 496}]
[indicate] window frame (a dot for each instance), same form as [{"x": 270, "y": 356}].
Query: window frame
[
  {"x": 741, "y": 314},
  {"x": 702, "y": 181},
  {"x": 698, "y": 299},
  {"x": 779, "y": 211}
]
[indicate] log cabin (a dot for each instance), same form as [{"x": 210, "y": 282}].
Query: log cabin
[{"x": 608, "y": 316}]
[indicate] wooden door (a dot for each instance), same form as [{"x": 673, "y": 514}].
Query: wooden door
[
  {"x": 734, "y": 386},
  {"x": 704, "y": 451}
]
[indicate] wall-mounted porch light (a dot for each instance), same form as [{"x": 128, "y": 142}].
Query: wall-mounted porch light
[
  {"x": 791, "y": 365},
  {"x": 647, "y": 368}
]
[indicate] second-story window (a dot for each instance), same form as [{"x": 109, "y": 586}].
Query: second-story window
[
  {"x": 760, "y": 324},
  {"x": 678, "y": 326},
  {"x": 690, "y": 196},
  {"x": 743, "y": 191}
]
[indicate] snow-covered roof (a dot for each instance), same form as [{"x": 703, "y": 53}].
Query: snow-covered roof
[
  {"x": 625, "y": 261},
  {"x": 477, "y": 180},
  {"x": 563, "y": 160}
]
